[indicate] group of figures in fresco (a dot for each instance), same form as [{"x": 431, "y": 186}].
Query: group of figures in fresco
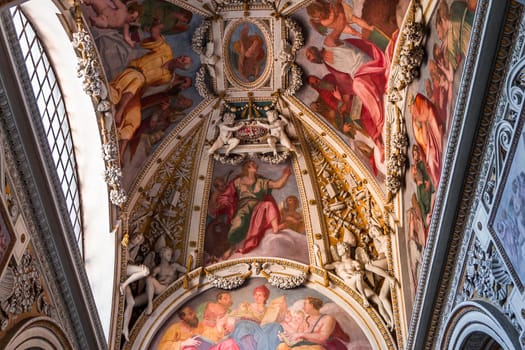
[
  {"x": 431, "y": 114},
  {"x": 348, "y": 60},
  {"x": 231, "y": 322},
  {"x": 151, "y": 83}
]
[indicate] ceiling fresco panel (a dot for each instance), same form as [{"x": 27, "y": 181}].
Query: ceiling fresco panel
[
  {"x": 145, "y": 49},
  {"x": 347, "y": 60},
  {"x": 260, "y": 316},
  {"x": 254, "y": 210}
]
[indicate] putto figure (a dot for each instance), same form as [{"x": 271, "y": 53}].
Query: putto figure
[
  {"x": 226, "y": 137},
  {"x": 277, "y": 126}
]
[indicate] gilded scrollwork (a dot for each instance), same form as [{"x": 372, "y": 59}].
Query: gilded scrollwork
[
  {"x": 160, "y": 212},
  {"x": 354, "y": 222}
]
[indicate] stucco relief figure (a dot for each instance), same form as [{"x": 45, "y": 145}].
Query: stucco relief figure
[
  {"x": 351, "y": 272},
  {"x": 250, "y": 207},
  {"x": 209, "y": 59},
  {"x": 250, "y": 53},
  {"x": 162, "y": 276},
  {"x": 277, "y": 126},
  {"x": 379, "y": 266},
  {"x": 115, "y": 14},
  {"x": 134, "y": 272},
  {"x": 354, "y": 271},
  {"x": 226, "y": 137}
]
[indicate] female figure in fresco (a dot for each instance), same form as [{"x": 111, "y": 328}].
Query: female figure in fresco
[
  {"x": 255, "y": 310},
  {"x": 250, "y": 208},
  {"x": 250, "y": 331}
]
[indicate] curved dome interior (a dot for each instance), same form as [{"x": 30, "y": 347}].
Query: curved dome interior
[{"x": 264, "y": 143}]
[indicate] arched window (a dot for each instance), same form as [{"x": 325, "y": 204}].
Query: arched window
[
  {"x": 40, "y": 31},
  {"x": 54, "y": 117}
]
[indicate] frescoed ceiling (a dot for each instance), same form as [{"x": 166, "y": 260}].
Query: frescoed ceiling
[{"x": 260, "y": 141}]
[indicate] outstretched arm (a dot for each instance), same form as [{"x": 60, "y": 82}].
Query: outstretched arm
[
  {"x": 155, "y": 31},
  {"x": 281, "y": 181},
  {"x": 127, "y": 36}
]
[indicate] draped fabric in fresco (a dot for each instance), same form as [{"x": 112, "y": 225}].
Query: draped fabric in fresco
[
  {"x": 509, "y": 220},
  {"x": 259, "y": 316},
  {"x": 429, "y": 111},
  {"x": 145, "y": 48},
  {"x": 347, "y": 60},
  {"x": 254, "y": 210}
]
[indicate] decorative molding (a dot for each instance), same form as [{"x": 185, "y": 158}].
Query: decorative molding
[
  {"x": 485, "y": 276},
  {"x": 22, "y": 292},
  {"x": 35, "y": 218},
  {"x": 95, "y": 86},
  {"x": 405, "y": 68},
  {"x": 280, "y": 274},
  {"x": 429, "y": 336}
]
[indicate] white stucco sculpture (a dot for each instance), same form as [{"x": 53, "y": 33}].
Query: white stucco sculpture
[
  {"x": 277, "y": 126},
  {"x": 226, "y": 136}
]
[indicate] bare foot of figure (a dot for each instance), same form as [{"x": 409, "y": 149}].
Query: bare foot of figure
[
  {"x": 125, "y": 333},
  {"x": 149, "y": 309}
]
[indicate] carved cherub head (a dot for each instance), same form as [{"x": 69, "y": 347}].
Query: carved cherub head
[
  {"x": 228, "y": 118},
  {"x": 343, "y": 249},
  {"x": 272, "y": 115}
]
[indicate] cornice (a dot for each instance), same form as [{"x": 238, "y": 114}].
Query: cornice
[{"x": 442, "y": 257}]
